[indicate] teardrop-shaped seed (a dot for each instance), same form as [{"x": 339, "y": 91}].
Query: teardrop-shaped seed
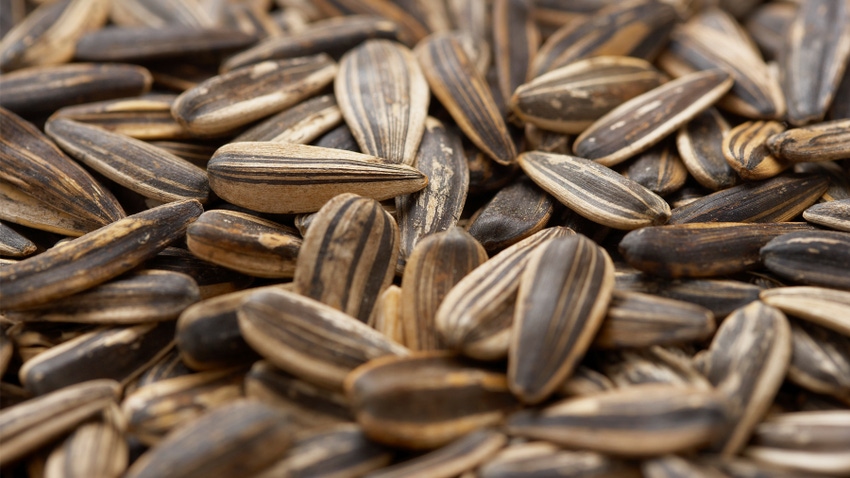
[
  {"x": 13, "y": 244},
  {"x": 226, "y": 102},
  {"x": 642, "y": 420},
  {"x": 516, "y": 39},
  {"x": 816, "y": 54},
  {"x": 95, "y": 257},
  {"x": 348, "y": 255},
  {"x": 571, "y": 98},
  {"x": 309, "y": 339},
  {"x": 820, "y": 360},
  {"x": 645, "y": 120},
  {"x": 476, "y": 316},
  {"x": 146, "y": 117},
  {"x": 658, "y": 169},
  {"x": 746, "y": 362},
  {"x": 465, "y": 94},
  {"x": 819, "y": 258},
  {"x": 134, "y": 164},
  {"x": 243, "y": 242},
  {"x": 777, "y": 199},
  {"x": 541, "y": 459},
  {"x": 826, "y": 307},
  {"x": 426, "y": 400},
  {"x": 291, "y": 178},
  {"x": 300, "y": 124},
  {"x": 700, "y": 144},
  {"x": 384, "y": 99},
  {"x": 826, "y": 141},
  {"x": 515, "y": 212},
  {"x": 746, "y": 150},
  {"x": 701, "y": 249},
  {"x": 95, "y": 448},
  {"x": 595, "y": 191}
]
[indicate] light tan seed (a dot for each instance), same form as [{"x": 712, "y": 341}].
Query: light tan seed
[
  {"x": 386, "y": 316},
  {"x": 819, "y": 258},
  {"x": 645, "y": 120},
  {"x": 825, "y": 141},
  {"x": 595, "y": 191},
  {"x": 299, "y": 124},
  {"x": 290, "y": 178},
  {"x": 823, "y": 306},
  {"x": 659, "y": 169},
  {"x": 146, "y": 117},
  {"x": 745, "y": 149},
  {"x": 700, "y": 145}
]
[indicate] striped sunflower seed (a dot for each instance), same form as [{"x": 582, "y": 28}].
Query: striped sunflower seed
[
  {"x": 745, "y": 149},
  {"x": 476, "y": 316},
  {"x": 13, "y": 244},
  {"x": 700, "y": 145},
  {"x": 746, "y": 362},
  {"x": 169, "y": 366},
  {"x": 563, "y": 295},
  {"x": 160, "y": 13},
  {"x": 18, "y": 207},
  {"x": 245, "y": 436},
  {"x": 44, "y": 89},
  {"x": 641, "y": 320},
  {"x": 437, "y": 264},
  {"x": 426, "y": 400},
  {"x": 541, "y": 459},
  {"x": 818, "y": 258},
  {"x": 655, "y": 365},
  {"x": 253, "y": 20},
  {"x": 95, "y": 448},
  {"x": 571, "y": 98},
  {"x": 134, "y": 164},
  {"x": 585, "y": 381},
  {"x": 309, "y": 339},
  {"x": 646, "y": 119},
  {"x": 226, "y": 102},
  {"x": 642, "y": 420},
  {"x": 820, "y": 360},
  {"x": 197, "y": 153},
  {"x": 721, "y": 297},
  {"x": 777, "y": 199},
  {"x": 465, "y": 94},
  {"x": 438, "y": 206},
  {"x": 351, "y": 238},
  {"x": 144, "y": 296},
  {"x": 595, "y": 191},
  {"x": 474, "y": 21},
  {"x": 339, "y": 138},
  {"x": 290, "y": 178},
  {"x": 818, "y": 40},
  {"x": 701, "y": 249},
  {"x": 516, "y": 39},
  {"x": 245, "y": 243},
  {"x": 768, "y": 24},
  {"x": 299, "y": 124},
  {"x": 829, "y": 308},
  {"x": 453, "y": 459},
  {"x": 386, "y": 316},
  {"x": 411, "y": 28},
  {"x": 659, "y": 169},
  {"x": 95, "y": 257},
  {"x": 384, "y": 98},
  {"x": 839, "y": 181},
  {"x": 145, "y": 117},
  {"x": 212, "y": 280},
  {"x": 28, "y": 426},
  {"x": 825, "y": 141}
]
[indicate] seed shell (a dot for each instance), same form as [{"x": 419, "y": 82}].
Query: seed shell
[
  {"x": 700, "y": 145},
  {"x": 212, "y": 280},
  {"x": 386, "y": 316},
  {"x": 299, "y": 124},
  {"x": 95, "y": 448},
  {"x": 13, "y": 244},
  {"x": 820, "y": 360},
  {"x": 160, "y": 13},
  {"x": 822, "y": 306},
  {"x": 516, "y": 39},
  {"x": 826, "y": 141},
  {"x": 411, "y": 27},
  {"x": 541, "y": 459},
  {"x": 659, "y": 169},
  {"x": 515, "y": 212},
  {"x": 145, "y": 117},
  {"x": 819, "y": 258},
  {"x": 20, "y": 208},
  {"x": 746, "y": 150}
]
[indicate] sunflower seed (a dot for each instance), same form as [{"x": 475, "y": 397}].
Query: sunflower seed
[
  {"x": 465, "y": 94},
  {"x": 95, "y": 448},
  {"x": 746, "y": 151},
  {"x": 169, "y": 366},
  {"x": 160, "y": 13},
  {"x": 585, "y": 381},
  {"x": 515, "y": 41},
  {"x": 840, "y": 108},
  {"x": 541, "y": 459},
  {"x": 147, "y": 117},
  {"x": 254, "y": 21},
  {"x": 291, "y": 178},
  {"x": 811, "y": 257},
  {"x": 768, "y": 25},
  {"x": 197, "y": 153},
  {"x": 386, "y": 316},
  {"x": 515, "y": 212},
  {"x": 820, "y": 360},
  {"x": 13, "y": 244},
  {"x": 300, "y": 124},
  {"x": 426, "y": 400},
  {"x": 660, "y": 169},
  {"x": 673, "y": 466},
  {"x": 339, "y": 138},
  {"x": 825, "y": 307},
  {"x": 701, "y": 249},
  {"x": 746, "y": 362},
  {"x": 384, "y": 98},
  {"x": 700, "y": 145},
  {"x": 20, "y": 208},
  {"x": 737, "y": 467},
  {"x": 411, "y": 28},
  {"x": 642, "y": 420},
  {"x": 595, "y": 191},
  {"x": 777, "y": 199},
  {"x": 825, "y": 141},
  {"x": 95, "y": 257},
  {"x": 474, "y": 22},
  {"x": 14, "y": 13},
  {"x": 547, "y": 141},
  {"x": 212, "y": 280},
  {"x": 644, "y": 120},
  {"x": 655, "y": 365},
  {"x": 226, "y": 102},
  {"x": 245, "y": 243}
]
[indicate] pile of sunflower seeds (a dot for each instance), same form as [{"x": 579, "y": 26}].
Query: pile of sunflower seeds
[{"x": 424, "y": 238}]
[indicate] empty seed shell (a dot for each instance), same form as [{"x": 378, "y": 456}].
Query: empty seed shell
[
  {"x": 818, "y": 258},
  {"x": 746, "y": 151},
  {"x": 824, "y": 141},
  {"x": 826, "y": 307}
]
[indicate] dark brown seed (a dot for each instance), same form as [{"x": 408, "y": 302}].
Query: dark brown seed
[
  {"x": 245, "y": 243},
  {"x": 141, "y": 44},
  {"x": 515, "y": 41},
  {"x": 839, "y": 180},
  {"x": 31, "y": 162},
  {"x": 746, "y": 150},
  {"x": 20, "y": 208},
  {"x": 541, "y": 460},
  {"x": 333, "y": 36},
  {"x": 453, "y": 459},
  {"x": 641, "y": 320},
  {"x": 701, "y": 249},
  {"x": 645, "y": 120},
  {"x": 197, "y": 153},
  {"x": 515, "y": 212},
  {"x": 253, "y": 20},
  {"x": 290, "y": 178},
  {"x": 594, "y": 191},
  {"x": 384, "y": 98},
  {"x": 169, "y": 366},
  {"x": 44, "y": 89},
  {"x": 746, "y": 362},
  {"x": 660, "y": 169},
  {"x": 212, "y": 280},
  {"x": 571, "y": 98},
  {"x": 826, "y": 307},
  {"x": 465, "y": 94},
  {"x": 309, "y": 339},
  {"x": 655, "y": 365},
  {"x": 777, "y": 199},
  {"x": 437, "y": 207},
  {"x": 585, "y": 381},
  {"x": 700, "y": 144},
  {"x": 411, "y": 28},
  {"x": 841, "y": 103},
  {"x": 299, "y": 124},
  {"x": 426, "y": 400},
  {"x": 547, "y": 141},
  {"x": 820, "y": 360},
  {"x": 160, "y": 13},
  {"x": 768, "y": 25},
  {"x": 226, "y": 102},
  {"x": 28, "y": 426},
  {"x": 13, "y": 244},
  {"x": 240, "y": 438},
  {"x": 95, "y": 448},
  {"x": 825, "y": 141},
  {"x": 147, "y": 117},
  {"x": 95, "y": 257},
  {"x": 563, "y": 295},
  {"x": 819, "y": 258},
  {"x": 642, "y": 420},
  {"x": 339, "y": 138},
  {"x": 816, "y": 53}
]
